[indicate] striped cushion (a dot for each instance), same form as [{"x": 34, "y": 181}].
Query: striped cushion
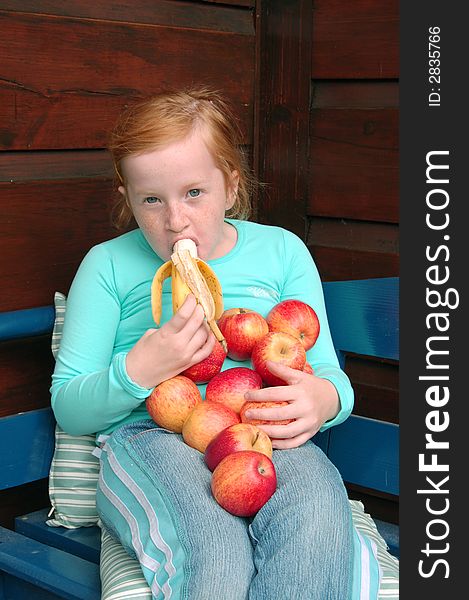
[
  {"x": 121, "y": 575},
  {"x": 73, "y": 475},
  {"x": 73, "y": 478},
  {"x": 60, "y": 303},
  {"x": 389, "y": 586}
]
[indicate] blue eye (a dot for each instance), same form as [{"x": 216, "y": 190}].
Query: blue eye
[
  {"x": 194, "y": 193},
  {"x": 151, "y": 200}
]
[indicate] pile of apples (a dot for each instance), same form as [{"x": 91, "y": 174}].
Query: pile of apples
[{"x": 238, "y": 453}]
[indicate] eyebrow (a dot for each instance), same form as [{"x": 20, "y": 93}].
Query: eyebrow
[{"x": 188, "y": 186}]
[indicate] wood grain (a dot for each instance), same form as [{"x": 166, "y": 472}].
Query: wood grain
[
  {"x": 46, "y": 229},
  {"x": 354, "y": 164},
  {"x": 283, "y": 93},
  {"x": 358, "y": 39},
  {"x": 162, "y": 12},
  {"x": 47, "y": 103},
  {"x": 348, "y": 249},
  {"x": 337, "y": 264}
]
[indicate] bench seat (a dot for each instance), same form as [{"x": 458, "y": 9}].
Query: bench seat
[
  {"x": 31, "y": 569},
  {"x": 84, "y": 542}
]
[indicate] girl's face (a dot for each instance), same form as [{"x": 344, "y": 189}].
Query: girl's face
[{"x": 178, "y": 192}]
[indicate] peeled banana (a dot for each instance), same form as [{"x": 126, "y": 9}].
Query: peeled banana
[{"x": 189, "y": 274}]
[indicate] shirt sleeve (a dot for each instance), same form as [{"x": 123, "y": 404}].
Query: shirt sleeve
[
  {"x": 302, "y": 282},
  {"x": 91, "y": 389}
]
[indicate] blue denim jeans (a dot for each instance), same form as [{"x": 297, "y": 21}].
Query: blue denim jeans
[{"x": 154, "y": 496}]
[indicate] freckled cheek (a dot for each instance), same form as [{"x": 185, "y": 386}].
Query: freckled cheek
[{"x": 149, "y": 224}]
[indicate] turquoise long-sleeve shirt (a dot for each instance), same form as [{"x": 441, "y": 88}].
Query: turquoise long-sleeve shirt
[{"x": 109, "y": 309}]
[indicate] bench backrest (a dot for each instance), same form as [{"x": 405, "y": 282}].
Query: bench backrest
[
  {"x": 364, "y": 319},
  {"x": 363, "y": 316}
]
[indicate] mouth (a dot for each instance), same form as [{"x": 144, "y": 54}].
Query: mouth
[{"x": 185, "y": 237}]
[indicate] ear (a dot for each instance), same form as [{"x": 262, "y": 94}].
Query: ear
[
  {"x": 232, "y": 190},
  {"x": 121, "y": 189}
]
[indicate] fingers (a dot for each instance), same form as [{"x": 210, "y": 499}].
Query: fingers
[
  {"x": 196, "y": 327},
  {"x": 293, "y": 431},
  {"x": 204, "y": 350},
  {"x": 294, "y": 442},
  {"x": 280, "y": 432},
  {"x": 187, "y": 320},
  {"x": 289, "y": 375},
  {"x": 270, "y": 394},
  {"x": 180, "y": 318},
  {"x": 280, "y": 413},
  {"x": 187, "y": 307}
]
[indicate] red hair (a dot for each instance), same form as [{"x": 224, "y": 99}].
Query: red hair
[{"x": 154, "y": 122}]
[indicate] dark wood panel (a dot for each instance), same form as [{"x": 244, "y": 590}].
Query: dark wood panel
[
  {"x": 46, "y": 103},
  {"x": 336, "y": 264},
  {"x": 355, "y": 94},
  {"x": 31, "y": 166},
  {"x": 358, "y": 39},
  {"x": 345, "y": 191},
  {"x": 25, "y": 374},
  {"x": 354, "y": 164},
  {"x": 45, "y": 230},
  {"x": 355, "y": 136},
  {"x": 376, "y": 386},
  {"x": 21, "y": 500},
  {"x": 382, "y": 238},
  {"x": 162, "y": 12},
  {"x": 376, "y": 402},
  {"x": 346, "y": 249},
  {"x": 247, "y": 3},
  {"x": 283, "y": 95}
]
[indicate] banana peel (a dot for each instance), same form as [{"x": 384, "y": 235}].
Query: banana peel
[{"x": 189, "y": 275}]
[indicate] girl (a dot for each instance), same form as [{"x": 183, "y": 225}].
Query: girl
[{"x": 182, "y": 175}]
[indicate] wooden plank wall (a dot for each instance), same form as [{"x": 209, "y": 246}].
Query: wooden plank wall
[
  {"x": 66, "y": 70},
  {"x": 353, "y": 189}
]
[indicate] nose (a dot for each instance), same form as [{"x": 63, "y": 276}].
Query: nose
[{"x": 176, "y": 218}]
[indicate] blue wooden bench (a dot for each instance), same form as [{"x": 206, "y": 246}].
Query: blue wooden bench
[
  {"x": 37, "y": 561},
  {"x": 364, "y": 319}
]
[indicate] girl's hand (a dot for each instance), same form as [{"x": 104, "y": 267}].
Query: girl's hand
[
  {"x": 178, "y": 344},
  {"x": 312, "y": 402}
]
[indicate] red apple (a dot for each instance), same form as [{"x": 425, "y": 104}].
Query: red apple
[
  {"x": 207, "y": 368},
  {"x": 229, "y": 386},
  {"x": 265, "y": 404},
  {"x": 171, "y": 402},
  {"x": 278, "y": 347},
  {"x": 205, "y": 422},
  {"x": 308, "y": 368},
  {"x": 296, "y": 318},
  {"x": 241, "y": 436},
  {"x": 243, "y": 482},
  {"x": 242, "y": 328}
]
